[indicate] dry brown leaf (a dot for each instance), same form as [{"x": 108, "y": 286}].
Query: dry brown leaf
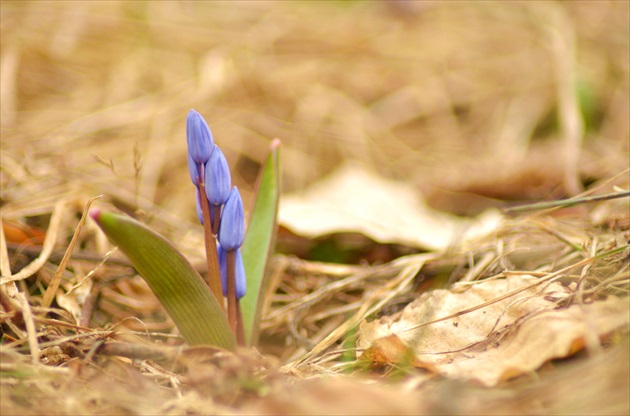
[
  {"x": 72, "y": 298},
  {"x": 501, "y": 341},
  {"x": 354, "y": 199}
]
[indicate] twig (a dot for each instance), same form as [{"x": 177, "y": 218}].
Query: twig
[
  {"x": 5, "y": 264},
  {"x": 563, "y": 203},
  {"x": 89, "y": 305},
  {"x": 57, "y": 255},
  {"x": 51, "y": 291},
  {"x": 30, "y": 327}
]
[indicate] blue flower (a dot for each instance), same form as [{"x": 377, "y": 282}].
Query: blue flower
[
  {"x": 199, "y": 138},
  {"x": 193, "y": 169},
  {"x": 198, "y": 205},
  {"x": 241, "y": 281},
  {"x": 217, "y": 178},
  {"x": 232, "y": 226}
]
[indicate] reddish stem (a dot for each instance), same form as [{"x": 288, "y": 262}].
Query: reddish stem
[
  {"x": 230, "y": 260},
  {"x": 217, "y": 219},
  {"x": 214, "y": 276}
]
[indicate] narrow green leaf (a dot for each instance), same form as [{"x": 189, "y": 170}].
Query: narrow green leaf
[
  {"x": 259, "y": 242},
  {"x": 176, "y": 284}
]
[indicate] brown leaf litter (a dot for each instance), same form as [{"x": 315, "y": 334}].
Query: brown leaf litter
[
  {"x": 464, "y": 106},
  {"x": 506, "y": 339}
]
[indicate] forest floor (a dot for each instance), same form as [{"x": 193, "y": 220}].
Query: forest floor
[{"x": 404, "y": 282}]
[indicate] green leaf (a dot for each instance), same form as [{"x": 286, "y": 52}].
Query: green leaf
[
  {"x": 176, "y": 284},
  {"x": 259, "y": 243}
]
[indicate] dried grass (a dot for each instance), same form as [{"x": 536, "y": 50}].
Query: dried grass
[{"x": 459, "y": 99}]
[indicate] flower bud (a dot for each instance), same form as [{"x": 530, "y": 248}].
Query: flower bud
[
  {"x": 198, "y": 205},
  {"x": 217, "y": 178},
  {"x": 232, "y": 227},
  {"x": 193, "y": 169},
  {"x": 198, "y": 137},
  {"x": 241, "y": 281}
]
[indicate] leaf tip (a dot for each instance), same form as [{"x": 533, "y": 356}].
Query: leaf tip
[{"x": 95, "y": 213}]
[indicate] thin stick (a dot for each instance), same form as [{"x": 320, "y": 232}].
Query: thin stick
[
  {"x": 564, "y": 203},
  {"x": 29, "y": 322},
  {"x": 5, "y": 267},
  {"x": 51, "y": 291},
  {"x": 214, "y": 277},
  {"x": 89, "y": 305},
  {"x": 230, "y": 260},
  {"x": 5, "y": 263}
]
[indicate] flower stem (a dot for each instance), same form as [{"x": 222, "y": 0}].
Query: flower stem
[
  {"x": 240, "y": 328},
  {"x": 217, "y": 219},
  {"x": 230, "y": 260},
  {"x": 214, "y": 276}
]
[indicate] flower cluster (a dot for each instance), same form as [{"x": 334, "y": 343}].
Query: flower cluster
[{"x": 210, "y": 173}]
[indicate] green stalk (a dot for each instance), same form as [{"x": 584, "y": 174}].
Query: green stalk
[{"x": 260, "y": 242}]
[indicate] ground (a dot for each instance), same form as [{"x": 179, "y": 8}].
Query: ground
[{"x": 466, "y": 108}]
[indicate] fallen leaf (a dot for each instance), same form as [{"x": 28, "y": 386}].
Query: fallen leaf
[
  {"x": 354, "y": 199},
  {"x": 500, "y": 341},
  {"x": 73, "y": 297},
  {"x": 392, "y": 350},
  {"x": 389, "y": 349},
  {"x": 23, "y": 234}
]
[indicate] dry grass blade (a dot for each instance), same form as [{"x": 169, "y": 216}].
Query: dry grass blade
[
  {"x": 51, "y": 291},
  {"x": 5, "y": 264},
  {"x": 567, "y": 202},
  {"x": 370, "y": 305},
  {"x": 30, "y": 327},
  {"x": 49, "y": 244}
]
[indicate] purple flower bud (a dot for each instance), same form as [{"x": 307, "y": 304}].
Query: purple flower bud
[
  {"x": 241, "y": 281},
  {"x": 193, "y": 169},
  {"x": 198, "y": 205},
  {"x": 199, "y": 137},
  {"x": 232, "y": 226},
  {"x": 217, "y": 178}
]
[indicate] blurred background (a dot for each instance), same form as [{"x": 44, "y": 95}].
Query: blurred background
[
  {"x": 470, "y": 102},
  {"x": 473, "y": 104}
]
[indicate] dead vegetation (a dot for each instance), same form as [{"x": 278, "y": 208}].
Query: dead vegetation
[{"x": 477, "y": 106}]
